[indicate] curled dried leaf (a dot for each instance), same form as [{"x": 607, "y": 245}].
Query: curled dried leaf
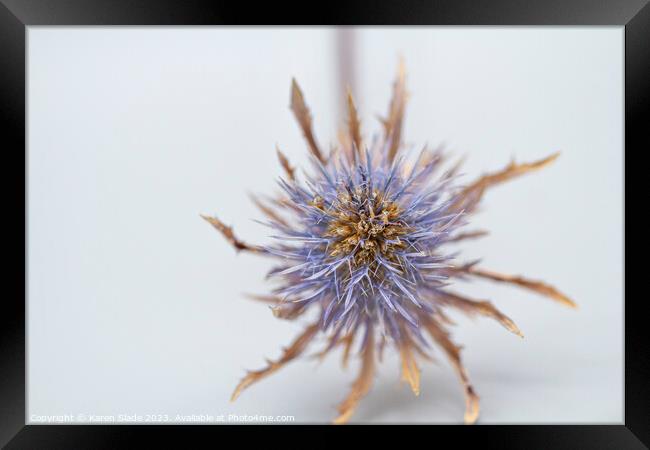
[
  {"x": 362, "y": 384},
  {"x": 303, "y": 116},
  {"x": 228, "y": 233},
  {"x": 533, "y": 285},
  {"x": 296, "y": 348}
]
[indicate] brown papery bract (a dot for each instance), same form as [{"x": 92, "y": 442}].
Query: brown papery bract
[
  {"x": 362, "y": 384},
  {"x": 472, "y": 194},
  {"x": 296, "y": 348},
  {"x": 534, "y": 285},
  {"x": 228, "y": 233},
  {"x": 303, "y": 116},
  {"x": 441, "y": 336}
]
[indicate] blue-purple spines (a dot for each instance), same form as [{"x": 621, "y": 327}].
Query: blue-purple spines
[{"x": 387, "y": 289}]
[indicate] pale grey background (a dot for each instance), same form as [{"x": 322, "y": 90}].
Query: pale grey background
[{"x": 135, "y": 303}]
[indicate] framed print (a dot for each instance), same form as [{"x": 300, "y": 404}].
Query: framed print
[{"x": 388, "y": 215}]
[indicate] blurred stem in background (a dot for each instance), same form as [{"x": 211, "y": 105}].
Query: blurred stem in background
[{"x": 346, "y": 61}]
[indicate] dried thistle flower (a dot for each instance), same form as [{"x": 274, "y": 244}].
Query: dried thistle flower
[{"x": 364, "y": 240}]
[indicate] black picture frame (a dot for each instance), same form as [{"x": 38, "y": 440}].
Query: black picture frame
[{"x": 16, "y": 15}]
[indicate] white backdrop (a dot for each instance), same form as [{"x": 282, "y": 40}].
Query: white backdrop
[{"x": 135, "y": 304}]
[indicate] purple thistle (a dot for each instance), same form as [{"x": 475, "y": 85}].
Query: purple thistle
[{"x": 365, "y": 239}]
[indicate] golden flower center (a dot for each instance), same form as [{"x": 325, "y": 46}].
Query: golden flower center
[{"x": 365, "y": 226}]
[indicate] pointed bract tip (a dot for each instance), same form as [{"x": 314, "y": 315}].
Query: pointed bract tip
[
  {"x": 569, "y": 303},
  {"x": 342, "y": 419},
  {"x": 349, "y": 95},
  {"x": 550, "y": 158},
  {"x": 471, "y": 415},
  {"x": 401, "y": 67},
  {"x": 295, "y": 88},
  {"x": 234, "y": 395},
  {"x": 210, "y": 219}
]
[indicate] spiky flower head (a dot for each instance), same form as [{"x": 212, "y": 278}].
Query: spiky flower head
[{"x": 367, "y": 242}]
